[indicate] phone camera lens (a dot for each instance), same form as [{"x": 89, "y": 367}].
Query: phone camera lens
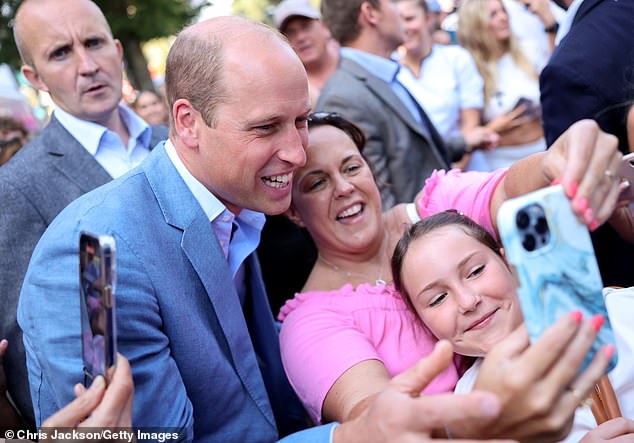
[
  {"x": 522, "y": 219},
  {"x": 529, "y": 242},
  {"x": 541, "y": 226}
]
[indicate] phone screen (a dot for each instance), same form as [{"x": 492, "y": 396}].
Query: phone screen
[{"x": 96, "y": 269}]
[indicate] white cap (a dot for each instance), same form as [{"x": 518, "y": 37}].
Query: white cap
[{"x": 293, "y": 8}]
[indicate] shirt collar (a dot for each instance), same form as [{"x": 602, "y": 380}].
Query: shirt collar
[
  {"x": 89, "y": 133},
  {"x": 381, "y": 67},
  {"x": 565, "y": 26},
  {"x": 211, "y": 206}
]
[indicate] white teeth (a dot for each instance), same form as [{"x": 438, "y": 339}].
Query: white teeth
[
  {"x": 277, "y": 181},
  {"x": 353, "y": 210}
]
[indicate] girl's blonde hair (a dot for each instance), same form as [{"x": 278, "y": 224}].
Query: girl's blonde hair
[{"x": 474, "y": 34}]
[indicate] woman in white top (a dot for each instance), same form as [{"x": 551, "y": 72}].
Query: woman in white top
[
  {"x": 445, "y": 81},
  {"x": 511, "y": 84}
]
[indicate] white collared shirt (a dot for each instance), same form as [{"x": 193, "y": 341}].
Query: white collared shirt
[
  {"x": 248, "y": 223},
  {"x": 105, "y": 145},
  {"x": 565, "y": 26}
]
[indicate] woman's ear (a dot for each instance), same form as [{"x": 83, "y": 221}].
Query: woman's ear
[{"x": 294, "y": 216}]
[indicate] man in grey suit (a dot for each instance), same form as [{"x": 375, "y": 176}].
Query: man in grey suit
[
  {"x": 367, "y": 88},
  {"x": 90, "y": 139}
]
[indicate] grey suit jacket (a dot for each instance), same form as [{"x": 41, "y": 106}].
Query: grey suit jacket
[
  {"x": 400, "y": 153},
  {"x": 40, "y": 180}
]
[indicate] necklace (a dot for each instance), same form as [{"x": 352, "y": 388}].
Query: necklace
[{"x": 378, "y": 281}]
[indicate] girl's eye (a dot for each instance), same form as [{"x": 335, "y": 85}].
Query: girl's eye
[
  {"x": 437, "y": 300},
  {"x": 351, "y": 169},
  {"x": 477, "y": 271}
]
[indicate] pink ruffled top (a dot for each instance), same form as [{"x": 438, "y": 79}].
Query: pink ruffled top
[{"x": 326, "y": 333}]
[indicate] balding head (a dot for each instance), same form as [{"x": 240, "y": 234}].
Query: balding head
[
  {"x": 33, "y": 14},
  {"x": 200, "y": 59}
]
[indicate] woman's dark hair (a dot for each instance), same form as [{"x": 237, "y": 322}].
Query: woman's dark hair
[
  {"x": 424, "y": 227},
  {"x": 338, "y": 121}
]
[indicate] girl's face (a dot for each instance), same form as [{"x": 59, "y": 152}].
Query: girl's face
[
  {"x": 335, "y": 196},
  {"x": 461, "y": 289},
  {"x": 498, "y": 20}
]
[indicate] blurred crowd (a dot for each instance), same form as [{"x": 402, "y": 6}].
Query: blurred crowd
[{"x": 306, "y": 229}]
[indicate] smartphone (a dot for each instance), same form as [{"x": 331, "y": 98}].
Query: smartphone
[
  {"x": 532, "y": 109},
  {"x": 97, "y": 281},
  {"x": 626, "y": 172},
  {"x": 551, "y": 255}
]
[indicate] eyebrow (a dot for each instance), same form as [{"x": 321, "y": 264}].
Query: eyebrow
[{"x": 435, "y": 282}]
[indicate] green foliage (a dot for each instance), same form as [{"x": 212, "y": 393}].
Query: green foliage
[
  {"x": 8, "y": 51},
  {"x": 144, "y": 20},
  {"x": 136, "y": 20}
]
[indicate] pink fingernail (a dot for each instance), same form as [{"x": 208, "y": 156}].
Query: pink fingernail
[
  {"x": 597, "y": 321},
  {"x": 555, "y": 181},
  {"x": 576, "y": 316},
  {"x": 588, "y": 216},
  {"x": 594, "y": 225},
  {"x": 580, "y": 204},
  {"x": 571, "y": 189},
  {"x": 609, "y": 351}
]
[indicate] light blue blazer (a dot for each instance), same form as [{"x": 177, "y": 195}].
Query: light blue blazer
[{"x": 179, "y": 319}]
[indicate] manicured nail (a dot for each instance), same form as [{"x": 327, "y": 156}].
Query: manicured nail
[
  {"x": 597, "y": 321},
  {"x": 594, "y": 225},
  {"x": 588, "y": 216},
  {"x": 577, "y": 316},
  {"x": 580, "y": 204},
  {"x": 555, "y": 181},
  {"x": 609, "y": 351},
  {"x": 571, "y": 189}
]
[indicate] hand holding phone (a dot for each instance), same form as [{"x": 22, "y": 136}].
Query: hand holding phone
[
  {"x": 552, "y": 257},
  {"x": 531, "y": 109},
  {"x": 97, "y": 278}
]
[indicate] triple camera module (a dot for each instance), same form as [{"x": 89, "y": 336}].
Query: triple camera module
[{"x": 532, "y": 227}]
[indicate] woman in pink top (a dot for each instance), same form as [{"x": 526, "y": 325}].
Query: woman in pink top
[{"x": 349, "y": 332}]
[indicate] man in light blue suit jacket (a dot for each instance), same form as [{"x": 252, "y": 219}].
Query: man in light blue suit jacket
[{"x": 192, "y": 315}]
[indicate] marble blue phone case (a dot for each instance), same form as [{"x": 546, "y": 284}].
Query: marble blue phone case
[{"x": 553, "y": 260}]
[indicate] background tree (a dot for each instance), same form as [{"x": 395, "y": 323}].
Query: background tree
[{"x": 132, "y": 21}]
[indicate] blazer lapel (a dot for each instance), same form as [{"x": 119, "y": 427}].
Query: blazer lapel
[
  {"x": 384, "y": 92},
  {"x": 201, "y": 247},
  {"x": 71, "y": 159},
  {"x": 585, "y": 9}
]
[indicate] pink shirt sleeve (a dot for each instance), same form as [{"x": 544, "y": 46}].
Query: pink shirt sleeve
[
  {"x": 467, "y": 192},
  {"x": 318, "y": 345}
]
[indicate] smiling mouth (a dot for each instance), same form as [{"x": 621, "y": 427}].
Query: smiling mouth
[
  {"x": 277, "y": 181},
  {"x": 482, "y": 321},
  {"x": 351, "y": 211}
]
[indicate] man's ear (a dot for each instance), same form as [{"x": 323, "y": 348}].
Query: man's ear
[
  {"x": 186, "y": 122},
  {"x": 30, "y": 73},
  {"x": 294, "y": 216},
  {"x": 368, "y": 14}
]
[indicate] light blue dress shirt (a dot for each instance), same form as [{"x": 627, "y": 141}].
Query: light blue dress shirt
[
  {"x": 249, "y": 224},
  {"x": 387, "y": 70},
  {"x": 105, "y": 145}
]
